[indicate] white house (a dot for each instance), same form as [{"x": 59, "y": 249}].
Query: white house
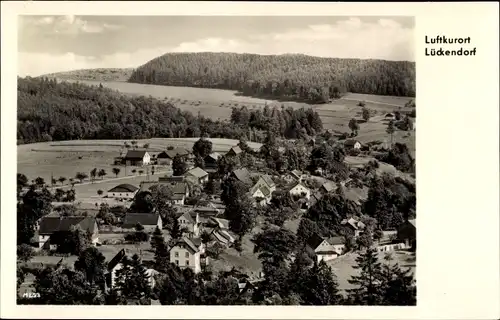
[
  {"x": 299, "y": 190},
  {"x": 326, "y": 249},
  {"x": 188, "y": 253},
  {"x": 123, "y": 191},
  {"x": 137, "y": 158},
  {"x": 352, "y": 144},
  {"x": 189, "y": 221}
]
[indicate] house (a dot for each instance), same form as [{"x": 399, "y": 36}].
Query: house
[
  {"x": 189, "y": 221},
  {"x": 177, "y": 199},
  {"x": 354, "y": 225},
  {"x": 234, "y": 151},
  {"x": 188, "y": 253},
  {"x": 267, "y": 181},
  {"x": 338, "y": 244},
  {"x": 180, "y": 190},
  {"x": 299, "y": 190},
  {"x": 245, "y": 287},
  {"x": 166, "y": 157},
  {"x": 389, "y": 115},
  {"x": 352, "y": 144},
  {"x": 407, "y": 233},
  {"x": 261, "y": 194},
  {"x": 327, "y": 187},
  {"x": 148, "y": 220},
  {"x": 53, "y": 228},
  {"x": 242, "y": 175},
  {"x": 322, "y": 248},
  {"x": 123, "y": 191},
  {"x": 137, "y": 158},
  {"x": 172, "y": 179},
  {"x": 211, "y": 161},
  {"x": 116, "y": 264},
  {"x": 199, "y": 174},
  {"x": 315, "y": 197}
]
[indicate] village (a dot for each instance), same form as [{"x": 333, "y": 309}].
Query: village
[{"x": 196, "y": 228}]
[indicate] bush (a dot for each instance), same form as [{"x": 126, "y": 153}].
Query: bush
[
  {"x": 139, "y": 236},
  {"x": 25, "y": 252}
]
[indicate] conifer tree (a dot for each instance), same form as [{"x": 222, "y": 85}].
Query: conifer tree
[{"x": 368, "y": 288}]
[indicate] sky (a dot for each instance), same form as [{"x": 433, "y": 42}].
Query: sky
[{"x": 48, "y": 44}]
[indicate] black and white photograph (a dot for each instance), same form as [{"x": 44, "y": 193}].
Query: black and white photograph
[{"x": 216, "y": 160}]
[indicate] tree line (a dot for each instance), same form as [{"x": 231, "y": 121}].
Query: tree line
[
  {"x": 283, "y": 77},
  {"x": 55, "y": 111}
]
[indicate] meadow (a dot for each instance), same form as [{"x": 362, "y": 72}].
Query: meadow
[{"x": 217, "y": 104}]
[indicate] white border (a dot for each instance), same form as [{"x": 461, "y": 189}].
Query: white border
[{"x": 457, "y": 165}]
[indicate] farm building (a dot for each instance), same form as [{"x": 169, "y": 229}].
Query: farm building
[
  {"x": 234, "y": 151},
  {"x": 327, "y": 187},
  {"x": 199, "y": 174},
  {"x": 242, "y": 175},
  {"x": 354, "y": 225},
  {"x": 352, "y": 144},
  {"x": 166, "y": 157},
  {"x": 325, "y": 249},
  {"x": 123, "y": 191},
  {"x": 211, "y": 161},
  {"x": 148, "y": 220},
  {"x": 137, "y": 158},
  {"x": 407, "y": 233},
  {"x": 52, "y": 229},
  {"x": 299, "y": 190},
  {"x": 188, "y": 253}
]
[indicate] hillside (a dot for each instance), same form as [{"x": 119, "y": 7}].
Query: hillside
[
  {"x": 282, "y": 77},
  {"x": 102, "y": 74}
]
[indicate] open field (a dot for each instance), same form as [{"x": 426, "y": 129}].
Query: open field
[
  {"x": 217, "y": 104},
  {"x": 343, "y": 269}
]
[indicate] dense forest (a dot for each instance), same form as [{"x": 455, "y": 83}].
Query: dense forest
[
  {"x": 54, "y": 111},
  {"x": 99, "y": 74},
  {"x": 285, "y": 77}
]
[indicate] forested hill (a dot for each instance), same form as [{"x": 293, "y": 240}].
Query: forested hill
[
  {"x": 290, "y": 76},
  {"x": 100, "y": 74},
  {"x": 49, "y": 110}
]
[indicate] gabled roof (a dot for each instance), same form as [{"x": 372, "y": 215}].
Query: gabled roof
[
  {"x": 116, "y": 259},
  {"x": 354, "y": 223},
  {"x": 268, "y": 180},
  {"x": 329, "y": 186},
  {"x": 336, "y": 240},
  {"x": 236, "y": 150},
  {"x": 292, "y": 186},
  {"x": 197, "y": 172},
  {"x": 135, "y": 154},
  {"x": 49, "y": 225},
  {"x": 314, "y": 241},
  {"x": 186, "y": 216},
  {"x": 146, "y": 219},
  {"x": 351, "y": 142},
  {"x": 177, "y": 196},
  {"x": 177, "y": 151},
  {"x": 124, "y": 188},
  {"x": 188, "y": 243},
  {"x": 171, "y": 179},
  {"x": 222, "y": 223},
  {"x": 296, "y": 173},
  {"x": 242, "y": 175},
  {"x": 214, "y": 155},
  {"x": 265, "y": 190}
]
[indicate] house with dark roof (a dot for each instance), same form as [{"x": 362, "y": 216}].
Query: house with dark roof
[
  {"x": 325, "y": 249},
  {"x": 188, "y": 253},
  {"x": 327, "y": 187},
  {"x": 166, "y": 157},
  {"x": 189, "y": 221},
  {"x": 261, "y": 194},
  {"x": 180, "y": 190},
  {"x": 242, "y": 175},
  {"x": 53, "y": 229},
  {"x": 407, "y": 233},
  {"x": 122, "y": 191},
  {"x": 352, "y": 144},
  {"x": 234, "y": 151},
  {"x": 354, "y": 225},
  {"x": 199, "y": 174},
  {"x": 137, "y": 158},
  {"x": 211, "y": 161},
  {"x": 148, "y": 220}
]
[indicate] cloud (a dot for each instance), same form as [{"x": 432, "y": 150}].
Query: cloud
[
  {"x": 347, "y": 38},
  {"x": 66, "y": 25}
]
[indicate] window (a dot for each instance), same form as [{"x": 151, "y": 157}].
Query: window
[
  {"x": 177, "y": 254},
  {"x": 187, "y": 262},
  {"x": 187, "y": 254},
  {"x": 177, "y": 262}
]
